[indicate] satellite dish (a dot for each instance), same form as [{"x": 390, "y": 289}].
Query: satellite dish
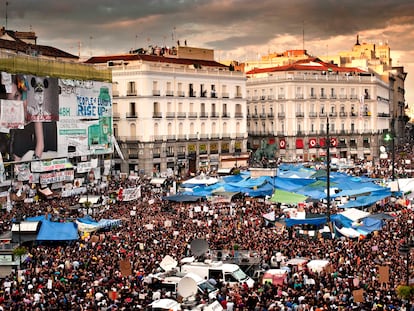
[
  {"x": 187, "y": 287},
  {"x": 199, "y": 247},
  {"x": 382, "y": 149}
]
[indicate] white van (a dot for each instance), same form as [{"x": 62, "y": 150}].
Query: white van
[
  {"x": 189, "y": 281},
  {"x": 228, "y": 272}
]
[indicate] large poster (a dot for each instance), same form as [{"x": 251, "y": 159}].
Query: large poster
[
  {"x": 46, "y": 118},
  {"x": 85, "y": 116}
]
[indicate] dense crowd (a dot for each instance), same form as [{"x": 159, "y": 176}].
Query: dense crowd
[{"x": 86, "y": 274}]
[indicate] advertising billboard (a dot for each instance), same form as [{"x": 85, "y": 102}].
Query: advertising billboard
[{"x": 46, "y": 117}]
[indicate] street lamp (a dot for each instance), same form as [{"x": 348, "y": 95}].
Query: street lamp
[
  {"x": 390, "y": 137},
  {"x": 405, "y": 249},
  {"x": 328, "y": 172}
]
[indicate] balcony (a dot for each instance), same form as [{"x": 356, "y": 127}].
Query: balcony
[
  {"x": 333, "y": 114},
  {"x": 280, "y": 96},
  {"x": 322, "y": 114},
  {"x": 313, "y": 114},
  {"x": 214, "y": 115},
  {"x": 131, "y": 115},
  {"x": 169, "y": 93},
  {"x": 300, "y": 114},
  {"x": 225, "y": 95},
  {"x": 156, "y": 93},
  {"x": 333, "y": 96},
  {"x": 263, "y": 115},
  {"x": 342, "y": 96},
  {"x": 270, "y": 115},
  {"x": 115, "y": 93},
  {"x": 323, "y": 96},
  {"x": 238, "y": 115},
  {"x": 213, "y": 94},
  {"x": 353, "y": 96},
  {"x": 192, "y": 93},
  {"x": 239, "y": 95},
  {"x": 270, "y": 97},
  {"x": 170, "y": 115},
  {"x": 312, "y": 96},
  {"x": 192, "y": 115},
  {"x": 203, "y": 93},
  {"x": 181, "y": 115},
  {"x": 262, "y": 97},
  {"x": 203, "y": 115},
  {"x": 299, "y": 96},
  {"x": 181, "y": 93},
  {"x": 225, "y": 115},
  {"x": 343, "y": 114},
  {"x": 353, "y": 115},
  {"x": 116, "y": 115},
  {"x": 192, "y": 136},
  {"x": 131, "y": 93},
  {"x": 157, "y": 115},
  {"x": 281, "y": 115}
]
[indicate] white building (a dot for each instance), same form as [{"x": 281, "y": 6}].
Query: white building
[
  {"x": 177, "y": 111},
  {"x": 290, "y": 106}
]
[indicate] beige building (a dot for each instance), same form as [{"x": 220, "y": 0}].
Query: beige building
[
  {"x": 176, "y": 111},
  {"x": 377, "y": 58},
  {"x": 291, "y": 105}
]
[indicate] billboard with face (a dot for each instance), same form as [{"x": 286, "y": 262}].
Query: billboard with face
[{"x": 43, "y": 117}]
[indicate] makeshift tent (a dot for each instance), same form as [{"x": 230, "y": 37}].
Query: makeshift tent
[
  {"x": 57, "y": 231},
  {"x": 305, "y": 221},
  {"x": 182, "y": 198},
  {"x": 200, "y": 180},
  {"x": 87, "y": 224},
  {"x": 367, "y": 200},
  {"x": 281, "y": 196}
]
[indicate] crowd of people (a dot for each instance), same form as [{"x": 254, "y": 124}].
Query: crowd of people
[{"x": 87, "y": 275}]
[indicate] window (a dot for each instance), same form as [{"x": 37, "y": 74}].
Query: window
[
  {"x": 312, "y": 92},
  {"x": 132, "y": 111},
  {"x": 131, "y": 88},
  {"x": 213, "y": 110},
  {"x": 203, "y": 91},
  {"x": 156, "y": 110},
  {"x": 191, "y": 91},
  {"x": 238, "y": 91},
  {"x": 213, "y": 91},
  {"x": 225, "y": 110},
  {"x": 322, "y": 92}
]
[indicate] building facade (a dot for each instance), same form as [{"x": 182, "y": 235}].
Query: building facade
[
  {"x": 377, "y": 58},
  {"x": 176, "y": 111},
  {"x": 291, "y": 106}
]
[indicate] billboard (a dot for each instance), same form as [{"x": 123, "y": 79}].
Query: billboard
[{"x": 46, "y": 117}]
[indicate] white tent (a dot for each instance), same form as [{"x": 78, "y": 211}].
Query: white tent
[
  {"x": 201, "y": 180},
  {"x": 354, "y": 214}
]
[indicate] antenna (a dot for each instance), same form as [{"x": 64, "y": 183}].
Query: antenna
[
  {"x": 303, "y": 35},
  {"x": 7, "y": 4}
]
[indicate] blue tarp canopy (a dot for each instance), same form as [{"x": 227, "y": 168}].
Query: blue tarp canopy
[
  {"x": 57, "y": 231},
  {"x": 306, "y": 221},
  {"x": 182, "y": 198},
  {"x": 367, "y": 200}
]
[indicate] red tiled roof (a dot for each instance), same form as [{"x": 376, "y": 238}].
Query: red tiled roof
[
  {"x": 304, "y": 65},
  {"x": 153, "y": 58}
]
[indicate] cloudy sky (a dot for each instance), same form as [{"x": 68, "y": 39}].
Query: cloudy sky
[{"x": 236, "y": 29}]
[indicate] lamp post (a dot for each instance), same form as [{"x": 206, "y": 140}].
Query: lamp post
[
  {"x": 405, "y": 249},
  {"x": 390, "y": 137},
  {"x": 328, "y": 172}
]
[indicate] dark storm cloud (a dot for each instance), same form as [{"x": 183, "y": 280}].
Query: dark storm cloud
[{"x": 125, "y": 22}]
